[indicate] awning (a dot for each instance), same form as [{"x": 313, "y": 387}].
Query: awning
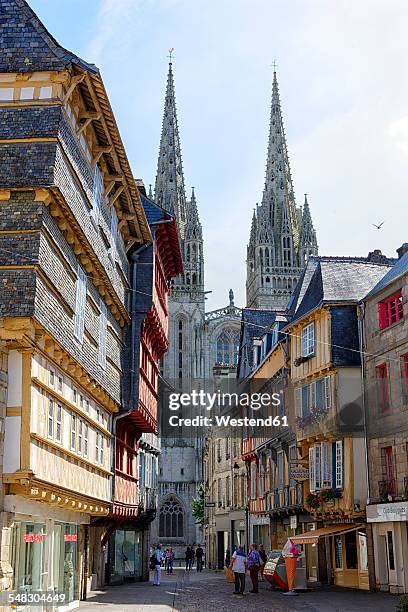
[{"x": 312, "y": 537}]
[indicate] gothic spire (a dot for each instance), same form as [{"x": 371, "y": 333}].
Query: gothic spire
[
  {"x": 275, "y": 256},
  {"x": 169, "y": 188},
  {"x": 308, "y": 241}
]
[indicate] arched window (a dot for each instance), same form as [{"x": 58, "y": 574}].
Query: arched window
[
  {"x": 180, "y": 348},
  {"x": 171, "y": 519},
  {"x": 227, "y": 347}
]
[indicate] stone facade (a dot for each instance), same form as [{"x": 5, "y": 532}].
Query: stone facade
[{"x": 385, "y": 345}]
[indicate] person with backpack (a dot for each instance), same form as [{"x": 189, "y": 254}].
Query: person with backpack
[
  {"x": 155, "y": 564},
  {"x": 253, "y": 563},
  {"x": 263, "y": 556},
  {"x": 238, "y": 566}
]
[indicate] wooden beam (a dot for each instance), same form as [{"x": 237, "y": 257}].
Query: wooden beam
[
  {"x": 116, "y": 195},
  {"x": 98, "y": 152},
  {"x": 74, "y": 82}
]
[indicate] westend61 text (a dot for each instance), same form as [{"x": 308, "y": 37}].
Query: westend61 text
[{"x": 227, "y": 421}]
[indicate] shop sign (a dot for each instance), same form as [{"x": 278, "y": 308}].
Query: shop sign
[
  {"x": 209, "y": 504},
  {"x": 242, "y": 523},
  {"x": 68, "y": 537},
  {"x": 260, "y": 520},
  {"x": 298, "y": 473},
  {"x": 33, "y": 537},
  {"x": 293, "y": 522},
  {"x": 382, "y": 513}
]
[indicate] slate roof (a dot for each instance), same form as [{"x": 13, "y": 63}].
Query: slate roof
[
  {"x": 337, "y": 280},
  {"x": 153, "y": 212},
  {"x": 27, "y": 46},
  {"x": 400, "y": 267},
  {"x": 254, "y": 323}
]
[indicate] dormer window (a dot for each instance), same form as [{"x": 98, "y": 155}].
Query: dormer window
[{"x": 308, "y": 340}]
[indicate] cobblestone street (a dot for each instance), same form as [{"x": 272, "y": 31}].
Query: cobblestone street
[{"x": 192, "y": 592}]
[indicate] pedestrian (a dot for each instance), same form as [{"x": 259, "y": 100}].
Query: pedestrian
[
  {"x": 238, "y": 566},
  {"x": 166, "y": 559},
  {"x": 170, "y": 560},
  {"x": 263, "y": 558},
  {"x": 199, "y": 557},
  {"x": 227, "y": 558},
  {"x": 254, "y": 562},
  {"x": 155, "y": 561},
  {"x": 189, "y": 559},
  {"x": 192, "y": 556}
]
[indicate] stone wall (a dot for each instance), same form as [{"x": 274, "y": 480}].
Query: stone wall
[{"x": 6, "y": 571}]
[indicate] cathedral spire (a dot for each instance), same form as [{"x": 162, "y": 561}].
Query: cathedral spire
[
  {"x": 275, "y": 256},
  {"x": 308, "y": 241},
  {"x": 169, "y": 188}
]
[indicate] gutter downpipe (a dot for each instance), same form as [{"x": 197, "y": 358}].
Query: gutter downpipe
[{"x": 363, "y": 389}]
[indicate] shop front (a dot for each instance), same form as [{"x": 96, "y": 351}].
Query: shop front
[
  {"x": 390, "y": 538},
  {"x": 45, "y": 557},
  {"x": 343, "y": 549},
  {"x": 125, "y": 556},
  {"x": 261, "y": 531}
]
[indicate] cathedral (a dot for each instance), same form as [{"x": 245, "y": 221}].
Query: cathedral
[{"x": 205, "y": 344}]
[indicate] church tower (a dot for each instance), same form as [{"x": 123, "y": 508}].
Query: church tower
[
  {"x": 180, "y": 462},
  {"x": 282, "y": 236}
]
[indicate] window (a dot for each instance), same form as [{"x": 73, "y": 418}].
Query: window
[
  {"x": 60, "y": 383},
  {"x": 404, "y": 373},
  {"x": 102, "y": 334},
  {"x": 391, "y": 310},
  {"x": 383, "y": 387},
  {"x": 74, "y": 395},
  {"x": 281, "y": 468},
  {"x": 50, "y": 418},
  {"x": 80, "y": 436},
  {"x": 253, "y": 479},
  {"x": 315, "y": 396},
  {"x": 227, "y": 347},
  {"x": 308, "y": 340},
  {"x": 326, "y": 466},
  {"x": 86, "y": 439},
  {"x": 73, "y": 431},
  {"x": 98, "y": 448},
  {"x": 228, "y": 491},
  {"x": 388, "y": 469},
  {"x": 350, "y": 544},
  {"x": 58, "y": 423},
  {"x": 80, "y": 302},
  {"x": 171, "y": 519},
  {"x": 338, "y": 552},
  {"x": 339, "y": 464},
  {"x": 52, "y": 377}
]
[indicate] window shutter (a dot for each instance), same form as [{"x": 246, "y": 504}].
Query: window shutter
[
  {"x": 326, "y": 464},
  {"x": 312, "y": 395},
  {"x": 327, "y": 392},
  {"x": 339, "y": 464},
  {"x": 80, "y": 302},
  {"x": 318, "y": 466},
  {"x": 312, "y": 469},
  {"x": 102, "y": 334}
]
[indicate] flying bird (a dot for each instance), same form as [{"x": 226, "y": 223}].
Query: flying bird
[{"x": 378, "y": 226}]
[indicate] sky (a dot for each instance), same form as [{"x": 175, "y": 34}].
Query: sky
[{"x": 343, "y": 81}]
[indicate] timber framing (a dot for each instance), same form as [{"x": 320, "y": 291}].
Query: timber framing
[{"x": 24, "y": 333}]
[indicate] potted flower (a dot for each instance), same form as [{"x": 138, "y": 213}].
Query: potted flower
[
  {"x": 327, "y": 495},
  {"x": 313, "y": 501}
]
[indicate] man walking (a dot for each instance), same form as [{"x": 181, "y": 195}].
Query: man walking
[
  {"x": 189, "y": 559},
  {"x": 199, "y": 556},
  {"x": 157, "y": 559},
  {"x": 254, "y": 562},
  {"x": 238, "y": 566}
]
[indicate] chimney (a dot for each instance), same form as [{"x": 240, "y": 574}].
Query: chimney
[
  {"x": 402, "y": 250},
  {"x": 377, "y": 257}
]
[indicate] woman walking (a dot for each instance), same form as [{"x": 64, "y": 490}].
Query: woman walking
[
  {"x": 263, "y": 558},
  {"x": 254, "y": 562}
]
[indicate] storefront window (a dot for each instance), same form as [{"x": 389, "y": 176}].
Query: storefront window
[
  {"x": 29, "y": 540},
  {"x": 338, "y": 552},
  {"x": 66, "y": 541},
  {"x": 351, "y": 550},
  {"x": 362, "y": 542},
  {"x": 125, "y": 555}
]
